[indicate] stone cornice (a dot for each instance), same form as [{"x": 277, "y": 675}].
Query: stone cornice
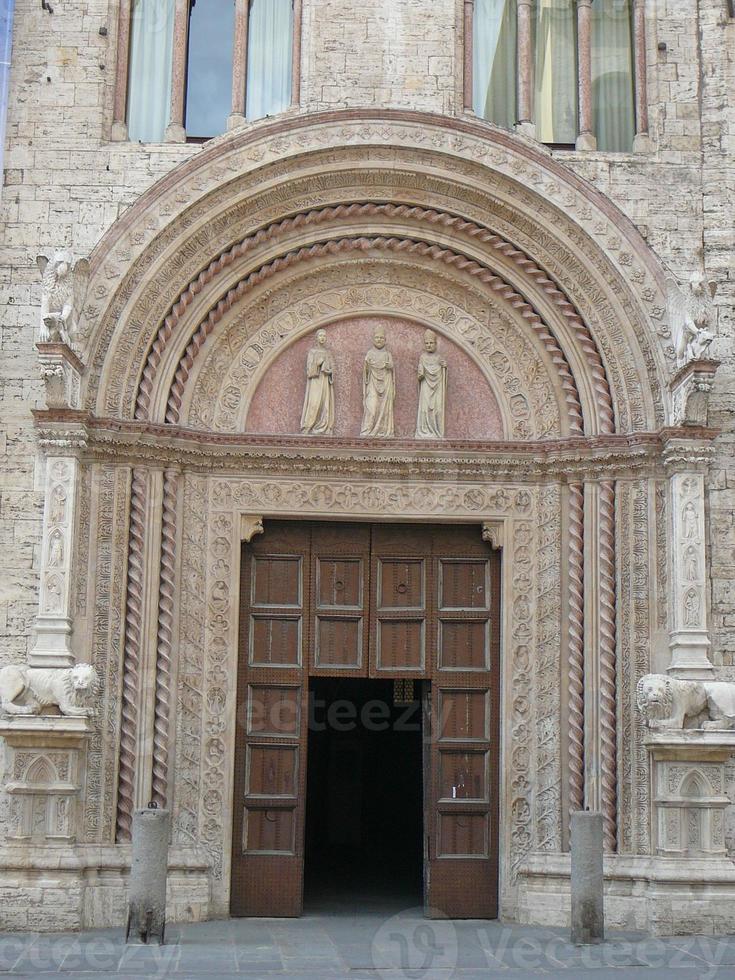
[{"x": 160, "y": 445}]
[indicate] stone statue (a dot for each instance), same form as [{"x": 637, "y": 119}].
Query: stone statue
[
  {"x": 379, "y": 389},
  {"x": 317, "y": 417},
  {"x": 691, "y": 314},
  {"x": 63, "y": 288},
  {"x": 432, "y": 373},
  {"x": 42, "y": 687},
  {"x": 670, "y": 703}
]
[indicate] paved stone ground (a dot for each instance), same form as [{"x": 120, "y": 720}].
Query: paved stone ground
[{"x": 364, "y": 946}]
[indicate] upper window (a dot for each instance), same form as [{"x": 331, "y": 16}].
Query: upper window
[
  {"x": 209, "y": 67},
  {"x": 494, "y": 56},
  {"x": 195, "y": 71},
  {"x": 528, "y": 67},
  {"x": 149, "y": 69}
]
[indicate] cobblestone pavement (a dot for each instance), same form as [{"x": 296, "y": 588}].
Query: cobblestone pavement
[{"x": 364, "y": 946}]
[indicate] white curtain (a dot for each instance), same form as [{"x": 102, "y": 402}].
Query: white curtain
[
  {"x": 612, "y": 75},
  {"x": 269, "y": 57},
  {"x": 494, "y": 61},
  {"x": 556, "y": 71},
  {"x": 150, "y": 67}
]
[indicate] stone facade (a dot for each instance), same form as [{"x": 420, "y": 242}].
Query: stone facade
[{"x": 378, "y": 196}]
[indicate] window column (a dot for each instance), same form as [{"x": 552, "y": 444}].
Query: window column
[
  {"x": 469, "y": 26},
  {"x": 239, "y": 63},
  {"x": 175, "y": 131},
  {"x": 641, "y": 84},
  {"x": 525, "y": 69},
  {"x": 585, "y": 137},
  {"x": 119, "y": 112}
]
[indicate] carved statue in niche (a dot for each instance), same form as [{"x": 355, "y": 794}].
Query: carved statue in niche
[
  {"x": 56, "y": 550},
  {"x": 691, "y": 314},
  {"x": 669, "y": 703},
  {"x": 379, "y": 389},
  {"x": 432, "y": 372},
  {"x": 317, "y": 417},
  {"x": 63, "y": 287},
  {"x": 57, "y": 513}
]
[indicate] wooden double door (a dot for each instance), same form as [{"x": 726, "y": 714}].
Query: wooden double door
[{"x": 386, "y": 601}]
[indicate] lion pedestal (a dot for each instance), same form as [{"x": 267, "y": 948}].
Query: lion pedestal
[{"x": 689, "y": 799}]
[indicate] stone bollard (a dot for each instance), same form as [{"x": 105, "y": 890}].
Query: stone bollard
[
  {"x": 588, "y": 918},
  {"x": 147, "y": 892}
]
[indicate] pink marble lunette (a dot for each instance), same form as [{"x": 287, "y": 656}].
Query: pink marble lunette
[{"x": 472, "y": 409}]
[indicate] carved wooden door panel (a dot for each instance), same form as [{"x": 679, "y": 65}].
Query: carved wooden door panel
[
  {"x": 462, "y": 808},
  {"x": 340, "y": 569},
  {"x": 270, "y": 750}
]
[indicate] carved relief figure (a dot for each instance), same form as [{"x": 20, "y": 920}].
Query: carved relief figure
[
  {"x": 57, "y": 511},
  {"x": 41, "y": 687},
  {"x": 670, "y": 703},
  {"x": 63, "y": 288},
  {"x": 691, "y": 608},
  {"x": 691, "y": 564},
  {"x": 690, "y": 521},
  {"x": 432, "y": 372},
  {"x": 317, "y": 417},
  {"x": 379, "y": 389},
  {"x": 691, "y": 314},
  {"x": 53, "y": 594},
  {"x": 56, "y": 550}
]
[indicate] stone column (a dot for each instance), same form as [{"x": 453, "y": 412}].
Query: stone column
[
  {"x": 53, "y": 627},
  {"x": 689, "y": 639},
  {"x": 175, "y": 131},
  {"x": 586, "y": 139},
  {"x": 640, "y": 141},
  {"x": 119, "y": 112},
  {"x": 469, "y": 22},
  {"x": 296, "y": 53},
  {"x": 239, "y": 63},
  {"x": 525, "y": 70}
]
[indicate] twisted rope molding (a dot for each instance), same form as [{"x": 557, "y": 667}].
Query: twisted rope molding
[
  {"x": 404, "y": 245},
  {"x": 576, "y": 646},
  {"x": 447, "y": 221},
  {"x": 131, "y": 657},
  {"x": 166, "y": 606},
  {"x": 608, "y": 668}
]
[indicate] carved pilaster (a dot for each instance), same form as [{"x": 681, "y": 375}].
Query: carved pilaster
[
  {"x": 52, "y": 647},
  {"x": 689, "y": 638}
]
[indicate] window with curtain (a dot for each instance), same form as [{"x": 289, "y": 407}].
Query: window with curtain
[
  {"x": 613, "y": 110},
  {"x": 150, "y": 68},
  {"x": 209, "y": 67},
  {"x": 555, "y": 30},
  {"x": 494, "y": 69},
  {"x": 270, "y": 43}
]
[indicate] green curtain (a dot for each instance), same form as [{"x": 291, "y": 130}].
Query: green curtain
[
  {"x": 613, "y": 111},
  {"x": 556, "y": 71},
  {"x": 494, "y": 61}
]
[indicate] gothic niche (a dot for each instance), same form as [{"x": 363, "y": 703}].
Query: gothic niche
[{"x": 320, "y": 379}]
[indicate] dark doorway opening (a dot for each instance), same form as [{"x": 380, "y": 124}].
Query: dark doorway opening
[{"x": 364, "y": 802}]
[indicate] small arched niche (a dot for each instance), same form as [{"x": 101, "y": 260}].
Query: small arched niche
[{"x": 472, "y": 410}]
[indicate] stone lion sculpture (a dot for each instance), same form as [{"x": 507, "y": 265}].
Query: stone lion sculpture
[
  {"x": 670, "y": 703},
  {"x": 42, "y": 687},
  {"x": 63, "y": 285}
]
